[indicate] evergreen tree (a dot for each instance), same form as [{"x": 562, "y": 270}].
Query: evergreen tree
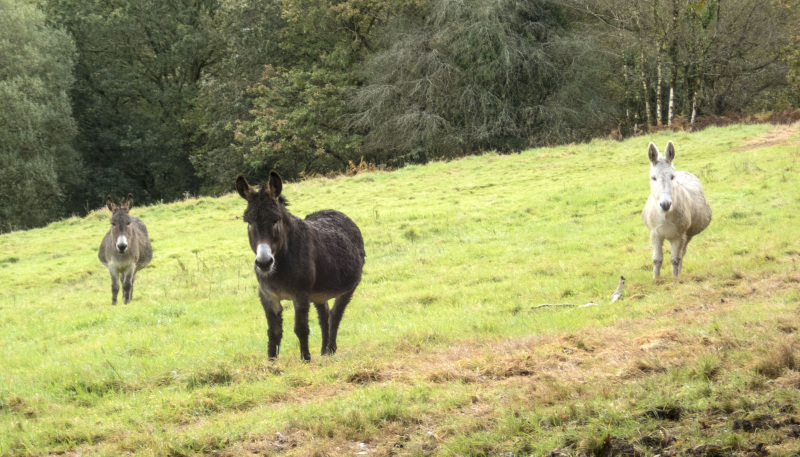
[{"x": 465, "y": 75}]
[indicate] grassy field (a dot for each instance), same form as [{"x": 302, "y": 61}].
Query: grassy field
[{"x": 441, "y": 351}]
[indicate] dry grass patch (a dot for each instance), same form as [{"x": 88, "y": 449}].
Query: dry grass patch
[
  {"x": 787, "y": 326},
  {"x": 259, "y": 370},
  {"x": 454, "y": 375},
  {"x": 778, "y": 358},
  {"x": 643, "y": 366},
  {"x": 365, "y": 375},
  {"x": 790, "y": 380}
]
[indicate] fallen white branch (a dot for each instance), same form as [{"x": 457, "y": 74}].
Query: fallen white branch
[
  {"x": 564, "y": 304},
  {"x": 617, "y": 295}
]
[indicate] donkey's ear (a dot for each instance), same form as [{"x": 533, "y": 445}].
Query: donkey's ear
[
  {"x": 245, "y": 190},
  {"x": 652, "y": 153},
  {"x": 670, "y": 152},
  {"x": 110, "y": 203},
  {"x": 275, "y": 184},
  {"x": 128, "y": 201}
]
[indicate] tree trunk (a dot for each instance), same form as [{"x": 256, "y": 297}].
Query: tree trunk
[
  {"x": 673, "y": 52},
  {"x": 671, "y": 113},
  {"x": 646, "y": 95},
  {"x": 658, "y": 87},
  {"x": 694, "y": 104},
  {"x": 625, "y": 84},
  {"x": 659, "y": 50}
]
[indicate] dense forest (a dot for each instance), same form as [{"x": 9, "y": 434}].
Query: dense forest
[{"x": 168, "y": 98}]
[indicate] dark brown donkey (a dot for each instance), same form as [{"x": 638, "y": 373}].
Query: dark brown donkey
[
  {"x": 125, "y": 248},
  {"x": 309, "y": 260}
]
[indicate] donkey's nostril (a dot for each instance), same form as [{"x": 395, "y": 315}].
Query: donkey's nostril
[
  {"x": 665, "y": 206},
  {"x": 122, "y": 247}
]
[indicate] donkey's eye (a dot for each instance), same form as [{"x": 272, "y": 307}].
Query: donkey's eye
[
  {"x": 276, "y": 228},
  {"x": 672, "y": 177},
  {"x": 652, "y": 178}
]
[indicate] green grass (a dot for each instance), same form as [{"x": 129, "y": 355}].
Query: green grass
[{"x": 440, "y": 351}]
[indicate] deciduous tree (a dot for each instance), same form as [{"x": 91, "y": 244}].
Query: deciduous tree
[
  {"x": 39, "y": 168},
  {"x": 299, "y": 123},
  {"x": 139, "y": 67}
]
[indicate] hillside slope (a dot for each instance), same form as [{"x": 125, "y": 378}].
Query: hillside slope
[{"x": 441, "y": 351}]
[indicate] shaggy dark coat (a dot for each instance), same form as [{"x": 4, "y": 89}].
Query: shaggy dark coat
[{"x": 309, "y": 260}]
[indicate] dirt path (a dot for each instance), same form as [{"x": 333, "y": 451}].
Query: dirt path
[{"x": 778, "y": 135}]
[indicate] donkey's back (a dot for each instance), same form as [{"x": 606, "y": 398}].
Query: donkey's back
[
  {"x": 697, "y": 206},
  {"x": 339, "y": 251},
  {"x": 143, "y": 243}
]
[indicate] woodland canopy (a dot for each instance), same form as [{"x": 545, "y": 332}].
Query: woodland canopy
[{"x": 168, "y": 98}]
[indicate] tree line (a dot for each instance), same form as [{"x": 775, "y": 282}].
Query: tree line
[{"x": 167, "y": 98}]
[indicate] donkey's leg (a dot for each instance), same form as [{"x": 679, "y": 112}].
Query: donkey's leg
[
  {"x": 658, "y": 253},
  {"x": 335, "y": 318},
  {"x": 133, "y": 282},
  {"x": 678, "y": 247},
  {"x": 127, "y": 286},
  {"x": 301, "y": 307},
  {"x": 274, "y": 313},
  {"x": 322, "y": 314},
  {"x": 114, "y": 287},
  {"x": 683, "y": 252}
]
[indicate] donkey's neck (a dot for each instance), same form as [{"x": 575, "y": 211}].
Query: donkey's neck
[
  {"x": 293, "y": 235},
  {"x": 678, "y": 193}
]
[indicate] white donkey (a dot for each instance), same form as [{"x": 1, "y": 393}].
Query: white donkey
[{"x": 676, "y": 210}]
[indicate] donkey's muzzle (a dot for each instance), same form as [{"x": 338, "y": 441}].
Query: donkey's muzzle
[
  {"x": 665, "y": 205},
  {"x": 122, "y": 244},
  {"x": 264, "y": 259},
  {"x": 264, "y": 264}
]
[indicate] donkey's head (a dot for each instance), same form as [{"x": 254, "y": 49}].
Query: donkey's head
[
  {"x": 121, "y": 230},
  {"x": 267, "y": 220},
  {"x": 662, "y": 175}
]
